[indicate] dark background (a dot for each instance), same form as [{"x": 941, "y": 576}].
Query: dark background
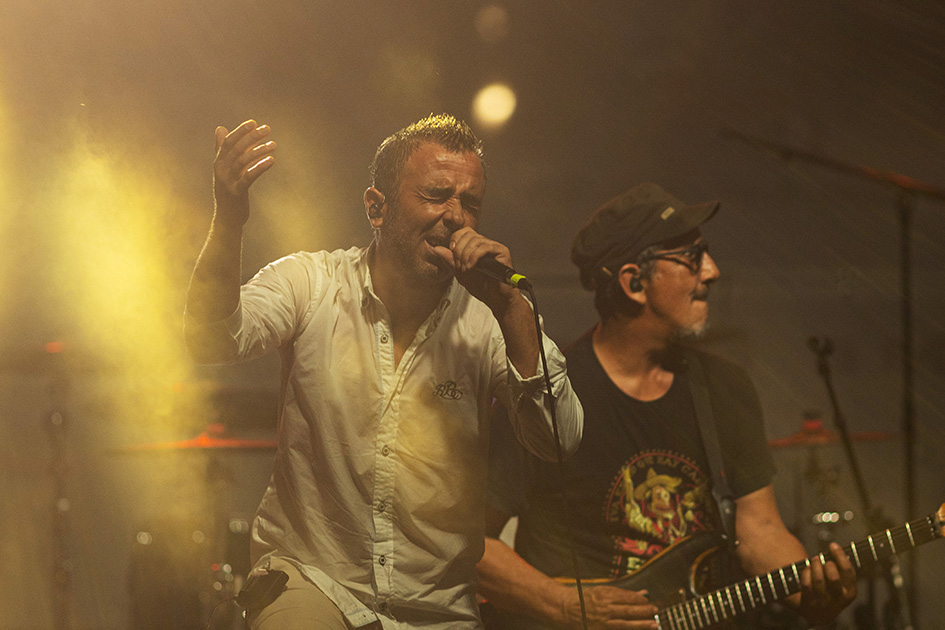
[{"x": 108, "y": 111}]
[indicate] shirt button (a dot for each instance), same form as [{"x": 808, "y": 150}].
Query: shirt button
[
  {"x": 385, "y": 451},
  {"x": 382, "y": 560},
  {"x": 384, "y": 338},
  {"x": 382, "y": 606},
  {"x": 381, "y": 506}
]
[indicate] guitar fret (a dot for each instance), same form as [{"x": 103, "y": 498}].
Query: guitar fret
[
  {"x": 685, "y": 615},
  {"x": 856, "y": 555},
  {"x": 672, "y": 617},
  {"x": 705, "y": 610},
  {"x": 903, "y": 539},
  {"x": 699, "y": 618},
  {"x": 702, "y": 618},
  {"x": 689, "y": 614},
  {"x": 719, "y": 606},
  {"x": 761, "y": 590}
]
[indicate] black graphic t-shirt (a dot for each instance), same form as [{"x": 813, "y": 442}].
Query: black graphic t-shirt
[{"x": 640, "y": 479}]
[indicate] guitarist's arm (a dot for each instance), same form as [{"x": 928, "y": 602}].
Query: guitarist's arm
[
  {"x": 765, "y": 544},
  {"x": 508, "y": 582}
]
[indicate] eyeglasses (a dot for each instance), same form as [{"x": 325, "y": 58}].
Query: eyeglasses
[{"x": 690, "y": 257}]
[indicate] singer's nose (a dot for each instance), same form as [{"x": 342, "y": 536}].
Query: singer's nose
[{"x": 454, "y": 216}]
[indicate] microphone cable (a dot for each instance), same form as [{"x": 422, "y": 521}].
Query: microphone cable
[{"x": 522, "y": 282}]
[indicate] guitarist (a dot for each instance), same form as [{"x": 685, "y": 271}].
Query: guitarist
[{"x": 641, "y": 482}]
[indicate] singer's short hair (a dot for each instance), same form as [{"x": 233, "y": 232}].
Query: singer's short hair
[{"x": 392, "y": 155}]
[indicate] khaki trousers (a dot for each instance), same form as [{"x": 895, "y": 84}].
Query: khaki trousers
[{"x": 301, "y": 606}]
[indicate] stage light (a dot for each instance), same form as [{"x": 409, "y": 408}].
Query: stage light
[
  {"x": 494, "y": 105},
  {"x": 492, "y": 23}
]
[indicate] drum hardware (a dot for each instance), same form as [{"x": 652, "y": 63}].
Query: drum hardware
[
  {"x": 897, "y": 610},
  {"x": 832, "y": 518},
  {"x": 909, "y": 191},
  {"x": 814, "y": 433},
  {"x": 194, "y": 567},
  {"x": 57, "y": 425}
]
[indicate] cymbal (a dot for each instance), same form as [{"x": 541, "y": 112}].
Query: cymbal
[
  {"x": 211, "y": 439},
  {"x": 814, "y": 433}
]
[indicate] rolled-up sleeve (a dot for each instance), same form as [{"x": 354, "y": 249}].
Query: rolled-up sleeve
[
  {"x": 271, "y": 305},
  {"x": 529, "y": 406},
  {"x": 213, "y": 342}
]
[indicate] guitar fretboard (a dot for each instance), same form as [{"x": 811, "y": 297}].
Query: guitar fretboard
[{"x": 727, "y": 603}]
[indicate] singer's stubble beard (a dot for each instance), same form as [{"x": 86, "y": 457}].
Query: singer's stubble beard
[{"x": 408, "y": 250}]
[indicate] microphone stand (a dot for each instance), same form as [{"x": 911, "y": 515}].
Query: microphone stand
[
  {"x": 896, "y": 608},
  {"x": 909, "y": 189}
]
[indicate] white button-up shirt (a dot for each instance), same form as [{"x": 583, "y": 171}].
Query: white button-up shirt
[{"x": 378, "y": 484}]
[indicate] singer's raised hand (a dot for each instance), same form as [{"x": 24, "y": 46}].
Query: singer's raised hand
[{"x": 242, "y": 156}]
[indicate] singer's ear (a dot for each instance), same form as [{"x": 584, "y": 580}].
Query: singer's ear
[
  {"x": 631, "y": 284},
  {"x": 375, "y": 205}
]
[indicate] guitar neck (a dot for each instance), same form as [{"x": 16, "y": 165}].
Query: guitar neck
[{"x": 732, "y": 601}]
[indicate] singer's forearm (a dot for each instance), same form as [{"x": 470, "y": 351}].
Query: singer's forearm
[
  {"x": 517, "y": 322},
  {"x": 214, "y": 290}
]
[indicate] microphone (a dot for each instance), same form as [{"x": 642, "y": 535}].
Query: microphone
[{"x": 492, "y": 268}]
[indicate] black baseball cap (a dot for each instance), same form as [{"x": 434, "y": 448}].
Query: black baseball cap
[{"x": 626, "y": 225}]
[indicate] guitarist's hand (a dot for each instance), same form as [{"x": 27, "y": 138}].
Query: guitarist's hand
[
  {"x": 612, "y": 608},
  {"x": 827, "y": 589}
]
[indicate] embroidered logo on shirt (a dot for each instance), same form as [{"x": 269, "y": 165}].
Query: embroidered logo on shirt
[{"x": 448, "y": 390}]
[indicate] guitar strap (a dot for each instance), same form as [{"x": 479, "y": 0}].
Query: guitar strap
[{"x": 721, "y": 491}]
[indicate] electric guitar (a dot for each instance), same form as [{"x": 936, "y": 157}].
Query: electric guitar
[{"x": 679, "y": 579}]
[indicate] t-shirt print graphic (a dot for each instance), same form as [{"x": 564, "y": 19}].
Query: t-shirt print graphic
[{"x": 656, "y": 499}]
